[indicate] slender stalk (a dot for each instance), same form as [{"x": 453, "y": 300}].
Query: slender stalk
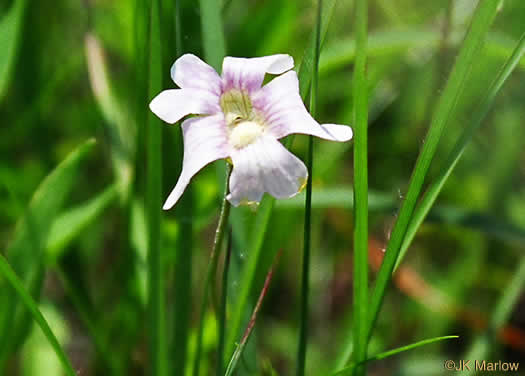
[
  {"x": 481, "y": 22},
  {"x": 18, "y": 285},
  {"x": 156, "y": 301},
  {"x": 210, "y": 272},
  {"x": 249, "y": 270},
  {"x": 360, "y": 96},
  {"x": 305, "y": 279},
  {"x": 240, "y": 348},
  {"x": 264, "y": 212},
  {"x": 222, "y": 310}
]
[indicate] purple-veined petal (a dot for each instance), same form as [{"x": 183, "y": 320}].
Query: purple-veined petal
[
  {"x": 248, "y": 73},
  {"x": 191, "y": 72},
  {"x": 265, "y": 166},
  {"x": 205, "y": 141},
  {"x": 281, "y": 106},
  {"x": 172, "y": 105}
]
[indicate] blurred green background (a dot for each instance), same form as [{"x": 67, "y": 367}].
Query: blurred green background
[{"x": 70, "y": 71}]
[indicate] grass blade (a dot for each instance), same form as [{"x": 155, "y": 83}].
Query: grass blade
[
  {"x": 26, "y": 249},
  {"x": 212, "y": 33},
  {"x": 435, "y": 187},
  {"x": 480, "y": 348},
  {"x": 360, "y": 88},
  {"x": 305, "y": 276},
  {"x": 481, "y": 22},
  {"x": 73, "y": 221},
  {"x": 184, "y": 252},
  {"x": 10, "y": 34},
  {"x": 156, "y": 303},
  {"x": 390, "y": 353},
  {"x": 340, "y": 53},
  {"x": 307, "y": 64},
  {"x": 119, "y": 127},
  {"x": 17, "y": 284},
  {"x": 100, "y": 341}
]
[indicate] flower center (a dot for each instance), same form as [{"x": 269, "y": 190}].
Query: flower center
[
  {"x": 242, "y": 121},
  {"x": 245, "y": 133}
]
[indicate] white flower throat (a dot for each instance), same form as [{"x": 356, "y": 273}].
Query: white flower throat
[{"x": 243, "y": 123}]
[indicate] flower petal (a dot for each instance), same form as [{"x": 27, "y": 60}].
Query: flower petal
[
  {"x": 265, "y": 166},
  {"x": 172, "y": 105},
  {"x": 191, "y": 72},
  {"x": 282, "y": 107},
  {"x": 205, "y": 141},
  {"x": 248, "y": 73}
]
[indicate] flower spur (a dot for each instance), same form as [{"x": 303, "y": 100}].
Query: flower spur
[{"x": 240, "y": 120}]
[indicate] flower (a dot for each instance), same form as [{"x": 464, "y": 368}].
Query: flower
[{"x": 241, "y": 121}]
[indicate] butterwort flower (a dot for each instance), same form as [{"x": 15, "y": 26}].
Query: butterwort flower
[{"x": 241, "y": 120}]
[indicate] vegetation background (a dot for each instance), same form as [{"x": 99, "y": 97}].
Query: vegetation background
[{"x": 77, "y": 235}]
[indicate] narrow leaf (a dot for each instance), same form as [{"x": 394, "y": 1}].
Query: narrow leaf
[
  {"x": 73, "y": 221},
  {"x": 17, "y": 284},
  {"x": 437, "y": 185},
  {"x": 212, "y": 32},
  {"x": 390, "y": 353},
  {"x": 10, "y": 36},
  {"x": 481, "y": 22}
]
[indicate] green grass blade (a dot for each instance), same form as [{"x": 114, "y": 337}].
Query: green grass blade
[
  {"x": 212, "y": 33},
  {"x": 75, "y": 220},
  {"x": 340, "y": 53},
  {"x": 510, "y": 297},
  {"x": 100, "y": 341},
  {"x": 383, "y": 202},
  {"x": 481, "y": 22},
  {"x": 307, "y": 64},
  {"x": 360, "y": 89},
  {"x": 25, "y": 251},
  {"x": 393, "y": 352},
  {"x": 480, "y": 348},
  {"x": 184, "y": 252},
  {"x": 119, "y": 125},
  {"x": 10, "y": 36},
  {"x": 305, "y": 275},
  {"x": 435, "y": 187},
  {"x": 340, "y": 197},
  {"x": 17, "y": 284},
  {"x": 156, "y": 269}
]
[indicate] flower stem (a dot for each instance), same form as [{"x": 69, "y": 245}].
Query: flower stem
[
  {"x": 210, "y": 272},
  {"x": 361, "y": 188},
  {"x": 305, "y": 280},
  {"x": 222, "y": 308}
]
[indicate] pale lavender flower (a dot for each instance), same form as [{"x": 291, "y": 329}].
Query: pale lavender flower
[{"x": 241, "y": 120}]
